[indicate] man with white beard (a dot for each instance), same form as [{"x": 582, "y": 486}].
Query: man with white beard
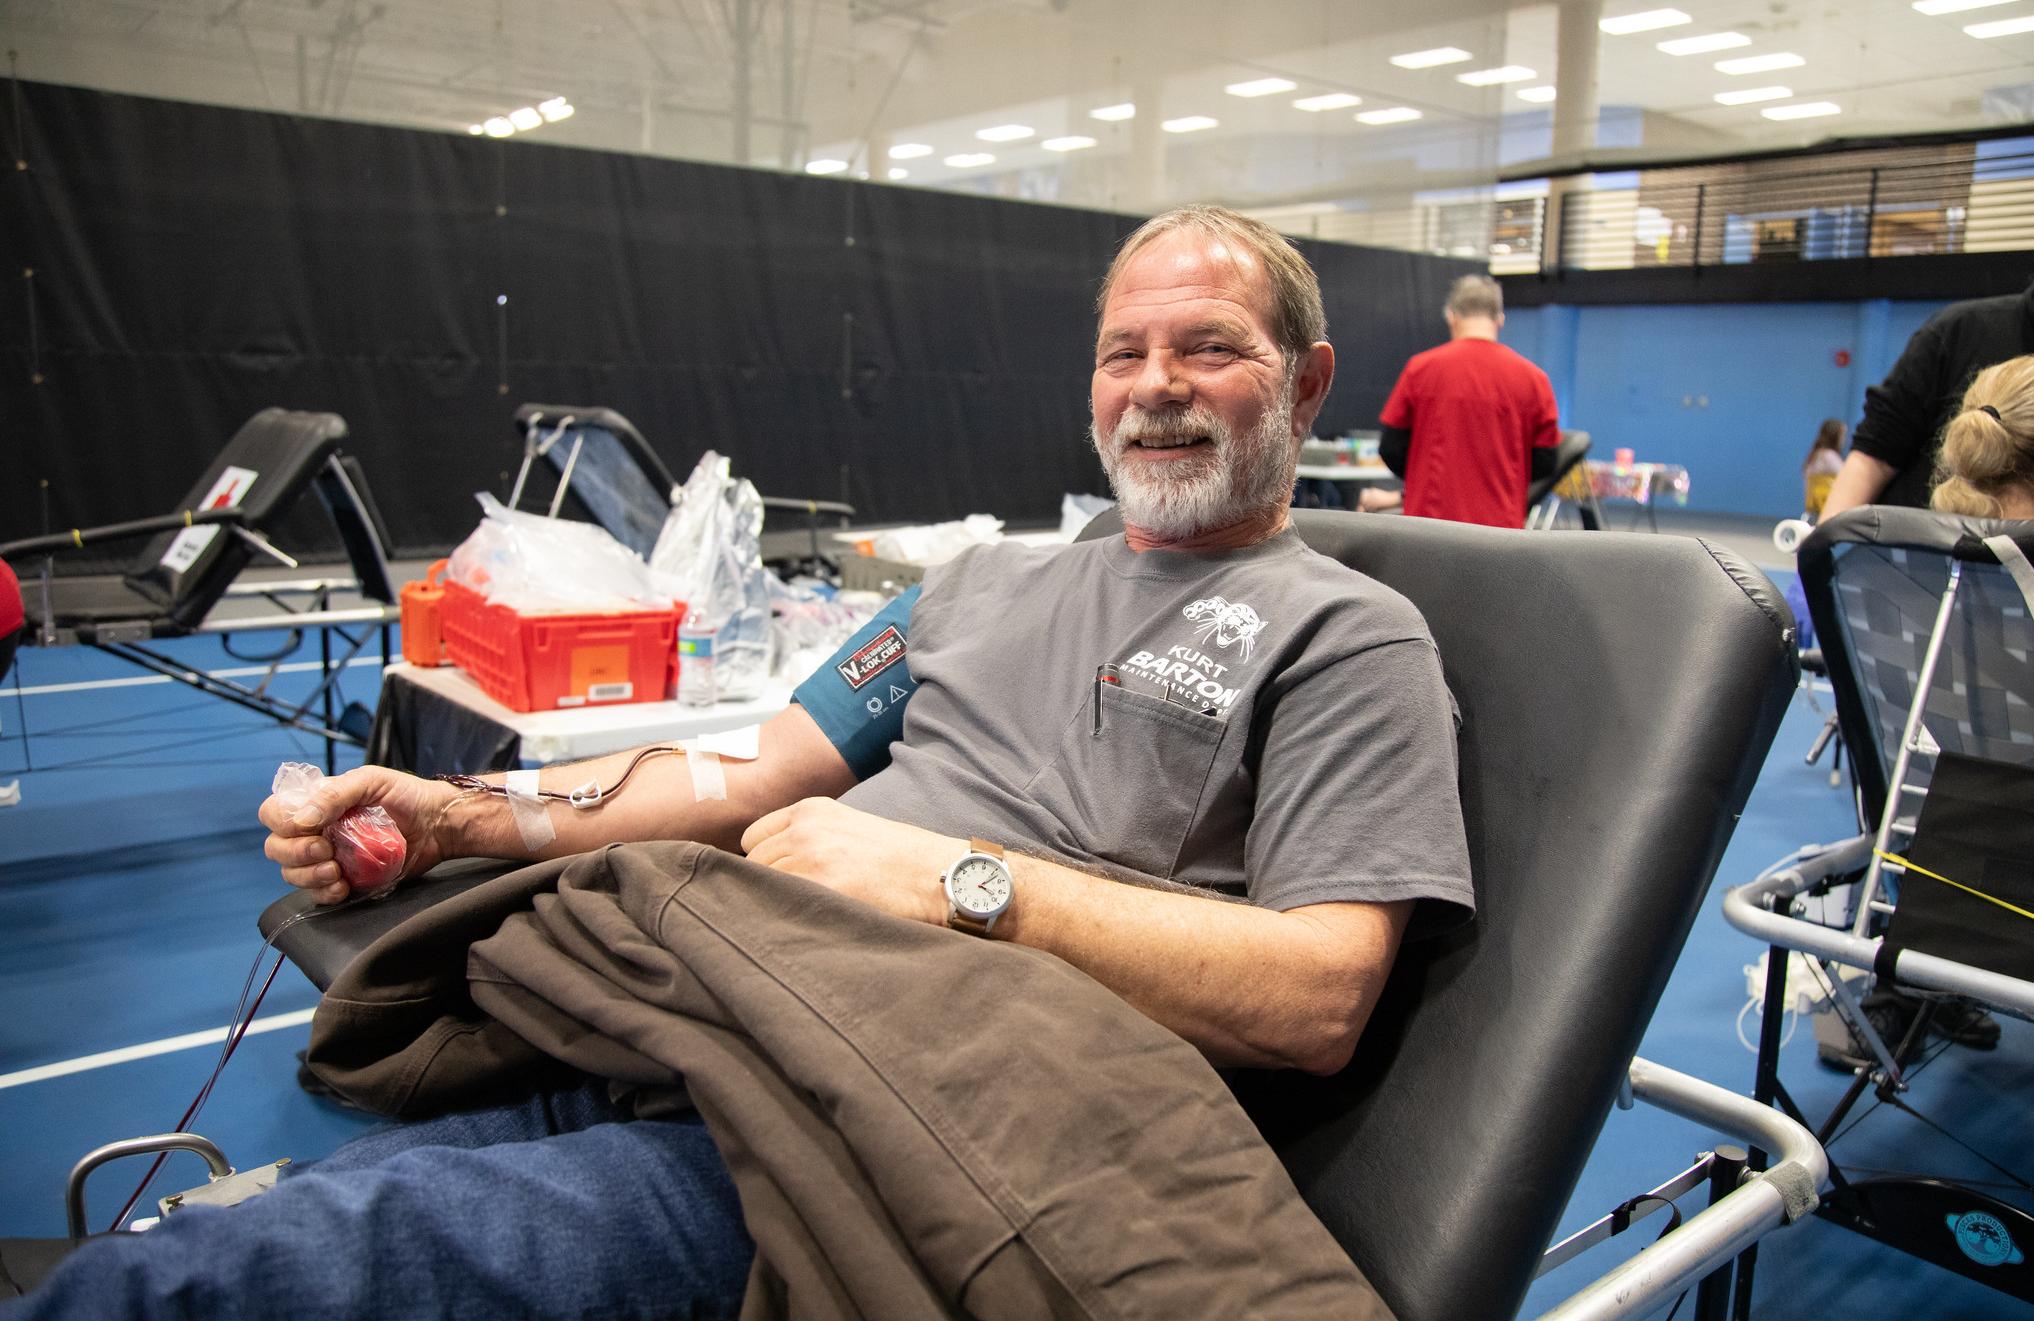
[{"x": 1201, "y": 707}]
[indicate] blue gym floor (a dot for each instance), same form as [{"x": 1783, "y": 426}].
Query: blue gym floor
[{"x": 131, "y": 873}]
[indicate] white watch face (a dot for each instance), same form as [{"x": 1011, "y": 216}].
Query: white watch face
[{"x": 979, "y": 886}]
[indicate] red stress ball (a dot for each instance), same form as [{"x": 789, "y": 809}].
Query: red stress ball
[{"x": 366, "y": 844}]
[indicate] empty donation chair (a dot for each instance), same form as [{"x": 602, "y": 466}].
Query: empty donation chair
[
  {"x": 1927, "y": 628},
  {"x": 1443, "y": 1157},
  {"x": 603, "y": 462},
  {"x": 196, "y": 551},
  {"x": 1543, "y": 497}
]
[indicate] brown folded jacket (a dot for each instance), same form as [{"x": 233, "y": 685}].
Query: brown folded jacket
[{"x": 920, "y": 1123}]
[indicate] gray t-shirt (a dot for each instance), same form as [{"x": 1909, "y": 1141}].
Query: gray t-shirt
[{"x": 1306, "y": 753}]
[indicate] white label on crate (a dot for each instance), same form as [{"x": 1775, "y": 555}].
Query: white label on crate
[
  {"x": 226, "y": 493},
  {"x": 610, "y": 692},
  {"x": 571, "y": 699}
]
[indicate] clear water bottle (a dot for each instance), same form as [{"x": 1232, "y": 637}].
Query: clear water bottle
[{"x": 696, "y": 682}]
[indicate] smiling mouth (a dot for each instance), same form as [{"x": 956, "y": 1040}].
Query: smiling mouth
[{"x": 1169, "y": 442}]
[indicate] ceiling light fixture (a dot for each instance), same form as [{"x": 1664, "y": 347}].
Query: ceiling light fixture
[
  {"x": 555, "y": 109},
  {"x": 1933, "y": 7},
  {"x": 1398, "y": 114},
  {"x": 1510, "y": 73},
  {"x": 1645, "y": 21},
  {"x": 910, "y": 151},
  {"x": 1074, "y": 142},
  {"x": 970, "y": 160},
  {"x": 825, "y": 165},
  {"x": 898, "y": 172},
  {"x": 1006, "y": 133},
  {"x": 1760, "y": 63},
  {"x": 1751, "y": 95},
  {"x": 1189, "y": 124},
  {"x": 1427, "y": 59},
  {"x": 476, "y": 129},
  {"x": 525, "y": 118},
  {"x": 1805, "y": 110},
  {"x": 1327, "y": 101},
  {"x": 498, "y": 126},
  {"x": 2004, "y": 27},
  {"x": 1113, "y": 113},
  {"x": 1704, "y": 45},
  {"x": 1261, "y": 87},
  {"x": 1537, "y": 95}
]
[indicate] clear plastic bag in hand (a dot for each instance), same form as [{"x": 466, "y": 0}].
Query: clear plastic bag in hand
[{"x": 366, "y": 843}]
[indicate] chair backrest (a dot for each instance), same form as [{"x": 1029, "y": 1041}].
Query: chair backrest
[
  {"x": 1618, "y": 694},
  {"x": 1874, "y": 579},
  {"x": 1572, "y": 449},
  {"x": 616, "y": 476},
  {"x": 342, "y": 486},
  {"x": 262, "y": 471}
]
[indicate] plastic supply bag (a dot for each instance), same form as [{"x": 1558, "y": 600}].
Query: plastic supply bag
[
  {"x": 936, "y": 543},
  {"x": 367, "y": 846},
  {"x": 812, "y": 620},
  {"x": 710, "y": 556},
  {"x": 532, "y": 564}
]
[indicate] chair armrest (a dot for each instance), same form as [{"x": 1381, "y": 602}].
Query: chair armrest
[
  {"x": 1766, "y": 1201},
  {"x": 323, "y": 944},
  {"x": 138, "y": 527}
]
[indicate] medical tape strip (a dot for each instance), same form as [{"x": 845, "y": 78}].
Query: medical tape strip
[
  {"x": 709, "y": 782},
  {"x": 2015, "y": 561},
  {"x": 532, "y": 817}
]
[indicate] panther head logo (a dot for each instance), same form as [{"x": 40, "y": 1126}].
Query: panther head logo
[{"x": 1229, "y": 623}]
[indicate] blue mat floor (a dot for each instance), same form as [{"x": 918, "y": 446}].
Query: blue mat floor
[{"x": 131, "y": 873}]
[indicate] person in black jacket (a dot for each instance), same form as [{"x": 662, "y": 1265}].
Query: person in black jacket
[{"x": 1892, "y": 455}]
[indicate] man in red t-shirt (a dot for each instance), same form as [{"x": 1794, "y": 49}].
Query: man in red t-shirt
[{"x": 1471, "y": 423}]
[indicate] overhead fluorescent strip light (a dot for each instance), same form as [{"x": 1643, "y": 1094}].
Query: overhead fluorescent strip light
[
  {"x": 1760, "y": 63},
  {"x": 1715, "y": 41},
  {"x": 1647, "y": 21},
  {"x": 1427, "y": 59}
]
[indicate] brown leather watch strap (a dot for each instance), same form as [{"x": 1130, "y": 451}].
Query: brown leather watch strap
[{"x": 955, "y": 918}]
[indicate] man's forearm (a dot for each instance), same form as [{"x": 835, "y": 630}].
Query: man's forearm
[
  {"x": 1858, "y": 482},
  {"x": 658, "y": 801},
  {"x": 1245, "y": 984}
]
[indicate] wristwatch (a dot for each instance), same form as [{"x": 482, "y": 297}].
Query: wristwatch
[{"x": 977, "y": 887}]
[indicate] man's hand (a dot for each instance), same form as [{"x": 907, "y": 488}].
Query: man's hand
[
  {"x": 296, "y": 840},
  {"x": 894, "y": 867},
  {"x": 1374, "y": 500}
]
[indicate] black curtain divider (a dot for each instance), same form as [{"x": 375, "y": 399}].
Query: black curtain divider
[{"x": 924, "y": 355}]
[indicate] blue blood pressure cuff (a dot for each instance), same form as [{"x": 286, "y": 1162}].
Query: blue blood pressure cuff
[{"x": 858, "y": 697}]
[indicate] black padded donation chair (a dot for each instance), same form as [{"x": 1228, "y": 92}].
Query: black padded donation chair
[
  {"x": 196, "y": 552},
  {"x": 621, "y": 481},
  {"x": 1443, "y": 1157},
  {"x": 1541, "y": 502},
  {"x": 1926, "y": 623}
]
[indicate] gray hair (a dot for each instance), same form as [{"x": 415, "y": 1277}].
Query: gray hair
[
  {"x": 1298, "y": 321},
  {"x": 1475, "y": 295}
]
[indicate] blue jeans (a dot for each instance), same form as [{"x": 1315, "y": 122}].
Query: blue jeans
[{"x": 556, "y": 1207}]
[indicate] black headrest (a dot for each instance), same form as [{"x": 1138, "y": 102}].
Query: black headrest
[
  {"x": 265, "y": 467},
  {"x": 1618, "y": 694}
]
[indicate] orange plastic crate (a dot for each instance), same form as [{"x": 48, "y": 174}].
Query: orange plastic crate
[{"x": 540, "y": 662}]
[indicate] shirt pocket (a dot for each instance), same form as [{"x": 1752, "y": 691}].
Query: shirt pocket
[{"x": 1128, "y": 792}]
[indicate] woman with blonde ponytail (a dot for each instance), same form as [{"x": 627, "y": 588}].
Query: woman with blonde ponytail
[{"x": 1986, "y": 465}]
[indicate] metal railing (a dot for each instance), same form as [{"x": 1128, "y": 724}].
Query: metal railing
[
  {"x": 1891, "y": 202},
  {"x": 1944, "y": 205}
]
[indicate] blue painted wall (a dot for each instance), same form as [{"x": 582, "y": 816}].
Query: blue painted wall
[{"x": 1734, "y": 391}]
